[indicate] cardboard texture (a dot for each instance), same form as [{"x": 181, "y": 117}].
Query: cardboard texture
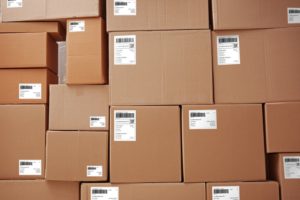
[
  {"x": 227, "y": 143},
  {"x": 79, "y": 107},
  {"x": 253, "y": 14},
  {"x": 22, "y": 137},
  {"x": 40, "y": 189},
  {"x": 282, "y": 127},
  {"x": 25, "y": 86},
  {"x": 157, "y": 191},
  {"x": 157, "y": 15},
  {"x": 85, "y": 159},
  {"x": 87, "y": 59},
  {"x": 28, "y": 50},
  {"x": 268, "y": 70},
  {"x": 171, "y": 68},
  {"x": 286, "y": 173},
  {"x": 145, "y": 144}
]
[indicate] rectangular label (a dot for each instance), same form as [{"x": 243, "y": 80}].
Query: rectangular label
[
  {"x": 125, "y": 125},
  {"x": 226, "y": 193},
  {"x": 94, "y": 171},
  {"x": 104, "y": 193},
  {"x": 228, "y": 50},
  {"x": 30, "y": 167},
  {"x": 124, "y": 7},
  {"x": 293, "y": 15},
  {"x": 125, "y": 50},
  {"x": 14, "y": 3},
  {"x": 97, "y": 122},
  {"x": 30, "y": 91},
  {"x": 203, "y": 119},
  {"x": 291, "y": 167},
  {"x": 76, "y": 26}
]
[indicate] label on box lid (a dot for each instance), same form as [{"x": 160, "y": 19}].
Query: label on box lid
[
  {"x": 77, "y": 26},
  {"x": 291, "y": 167},
  {"x": 293, "y": 15},
  {"x": 125, "y": 125},
  {"x": 228, "y": 50},
  {"x": 30, "y": 91},
  {"x": 30, "y": 167},
  {"x": 202, "y": 119},
  {"x": 125, "y": 50},
  {"x": 125, "y": 7},
  {"x": 226, "y": 193},
  {"x": 14, "y": 3},
  {"x": 104, "y": 193},
  {"x": 94, "y": 171},
  {"x": 97, "y": 122}
]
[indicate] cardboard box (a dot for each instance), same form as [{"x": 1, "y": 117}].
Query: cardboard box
[
  {"x": 22, "y": 142},
  {"x": 251, "y": 66},
  {"x": 145, "y": 144},
  {"x": 82, "y": 107},
  {"x": 132, "y": 15},
  {"x": 85, "y": 158},
  {"x": 285, "y": 168},
  {"x": 243, "y": 191},
  {"x": 87, "y": 51},
  {"x": 62, "y": 62},
  {"x": 32, "y": 10},
  {"x": 40, "y": 189},
  {"x": 282, "y": 127},
  {"x": 161, "y": 68},
  {"x": 223, "y": 143},
  {"x": 157, "y": 191},
  {"x": 25, "y": 86},
  {"x": 28, "y": 50},
  {"x": 253, "y": 14}
]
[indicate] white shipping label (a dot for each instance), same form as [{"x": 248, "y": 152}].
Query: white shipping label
[
  {"x": 291, "y": 167},
  {"x": 104, "y": 193},
  {"x": 30, "y": 91},
  {"x": 293, "y": 15},
  {"x": 97, "y": 122},
  {"x": 125, "y": 125},
  {"x": 94, "y": 171},
  {"x": 203, "y": 119},
  {"x": 14, "y": 3},
  {"x": 125, "y": 7},
  {"x": 125, "y": 50},
  {"x": 226, "y": 193},
  {"x": 30, "y": 167},
  {"x": 228, "y": 50},
  {"x": 77, "y": 26}
]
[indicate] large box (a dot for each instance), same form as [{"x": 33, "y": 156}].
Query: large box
[
  {"x": 80, "y": 107},
  {"x": 39, "y": 189},
  {"x": 145, "y": 144},
  {"x": 253, "y": 14},
  {"x": 161, "y": 68},
  {"x": 151, "y": 191},
  {"x": 256, "y": 66},
  {"x": 84, "y": 159},
  {"x": 87, "y": 58},
  {"x": 22, "y": 142},
  {"x": 129, "y": 15},
  {"x": 25, "y": 86},
  {"x": 285, "y": 168},
  {"x": 223, "y": 143},
  {"x": 282, "y": 127}
]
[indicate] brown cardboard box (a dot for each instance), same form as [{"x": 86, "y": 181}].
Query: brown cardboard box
[
  {"x": 285, "y": 168},
  {"x": 32, "y": 10},
  {"x": 26, "y": 86},
  {"x": 84, "y": 159},
  {"x": 157, "y": 191},
  {"x": 145, "y": 144},
  {"x": 243, "y": 191},
  {"x": 82, "y": 107},
  {"x": 161, "y": 68},
  {"x": 223, "y": 143},
  {"x": 135, "y": 15},
  {"x": 253, "y": 14},
  {"x": 256, "y": 66},
  {"x": 87, "y": 51},
  {"x": 28, "y": 50},
  {"x": 40, "y": 189},
  {"x": 22, "y": 142},
  {"x": 282, "y": 127}
]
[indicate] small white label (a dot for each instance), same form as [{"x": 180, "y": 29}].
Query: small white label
[
  {"x": 30, "y": 167},
  {"x": 291, "y": 167},
  {"x": 30, "y": 91},
  {"x": 228, "y": 50},
  {"x": 94, "y": 171},
  {"x": 125, "y": 7},
  {"x": 293, "y": 15},
  {"x": 97, "y": 122},
  {"x": 104, "y": 193},
  {"x": 14, "y": 3},
  {"x": 226, "y": 193},
  {"x": 203, "y": 119},
  {"x": 125, "y": 50},
  {"x": 77, "y": 26},
  {"x": 125, "y": 125}
]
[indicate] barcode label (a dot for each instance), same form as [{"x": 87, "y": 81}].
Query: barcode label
[
  {"x": 202, "y": 119},
  {"x": 77, "y": 26},
  {"x": 104, "y": 193},
  {"x": 291, "y": 167},
  {"x": 226, "y": 193},
  {"x": 293, "y": 15},
  {"x": 14, "y": 3},
  {"x": 30, "y": 91},
  {"x": 30, "y": 167},
  {"x": 97, "y": 122},
  {"x": 125, "y": 7},
  {"x": 125, "y": 50},
  {"x": 228, "y": 50},
  {"x": 125, "y": 125},
  {"x": 94, "y": 171}
]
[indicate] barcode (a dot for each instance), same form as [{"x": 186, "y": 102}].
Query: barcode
[
  {"x": 99, "y": 191},
  {"x": 92, "y": 168},
  {"x": 25, "y": 163},
  {"x": 95, "y": 119},
  {"x": 74, "y": 23},
  {"x": 294, "y": 11},
  {"x": 118, "y": 3},
  {"x": 124, "y": 115},
  {"x": 292, "y": 160},
  {"x": 26, "y": 87},
  {"x": 227, "y": 40},
  {"x": 221, "y": 191},
  {"x": 124, "y": 40},
  {"x": 198, "y": 114}
]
